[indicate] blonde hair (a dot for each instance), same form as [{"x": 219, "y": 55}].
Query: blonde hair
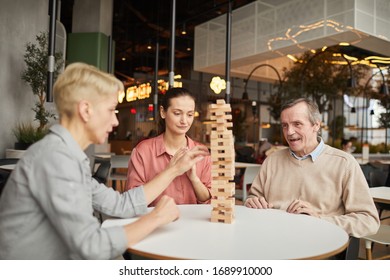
[{"x": 81, "y": 81}]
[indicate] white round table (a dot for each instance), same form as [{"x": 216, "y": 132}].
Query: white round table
[
  {"x": 255, "y": 234},
  {"x": 8, "y": 167}
]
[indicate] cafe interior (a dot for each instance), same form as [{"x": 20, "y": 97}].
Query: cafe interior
[{"x": 253, "y": 54}]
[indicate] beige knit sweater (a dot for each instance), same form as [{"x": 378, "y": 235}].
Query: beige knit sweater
[{"x": 333, "y": 184}]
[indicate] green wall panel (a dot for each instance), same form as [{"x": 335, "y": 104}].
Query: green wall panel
[{"x": 91, "y": 48}]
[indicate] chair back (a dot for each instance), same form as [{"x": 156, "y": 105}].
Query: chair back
[
  {"x": 367, "y": 169},
  {"x": 3, "y": 179},
  {"x": 245, "y": 154},
  {"x": 118, "y": 170},
  {"x": 249, "y": 175},
  {"x": 120, "y": 161},
  {"x": 4, "y": 174},
  {"x": 378, "y": 178},
  {"x": 102, "y": 172}
]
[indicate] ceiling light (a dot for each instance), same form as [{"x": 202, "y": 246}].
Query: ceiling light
[
  {"x": 217, "y": 84},
  {"x": 183, "y": 30}
]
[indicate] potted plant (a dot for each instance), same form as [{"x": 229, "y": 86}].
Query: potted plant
[
  {"x": 35, "y": 74},
  {"x": 26, "y": 134}
]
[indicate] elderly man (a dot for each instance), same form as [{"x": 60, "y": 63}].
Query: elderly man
[{"x": 313, "y": 178}]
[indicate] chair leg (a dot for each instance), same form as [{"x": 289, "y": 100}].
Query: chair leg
[{"x": 368, "y": 250}]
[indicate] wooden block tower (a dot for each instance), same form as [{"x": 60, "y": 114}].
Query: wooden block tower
[{"x": 222, "y": 157}]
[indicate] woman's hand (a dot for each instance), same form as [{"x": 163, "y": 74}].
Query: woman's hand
[{"x": 186, "y": 159}]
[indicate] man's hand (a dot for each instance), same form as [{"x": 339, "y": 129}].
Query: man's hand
[
  {"x": 301, "y": 207},
  {"x": 258, "y": 203}
]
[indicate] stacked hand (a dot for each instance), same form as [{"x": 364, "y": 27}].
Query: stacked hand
[{"x": 185, "y": 159}]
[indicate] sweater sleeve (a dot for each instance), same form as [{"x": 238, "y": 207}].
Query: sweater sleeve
[{"x": 360, "y": 216}]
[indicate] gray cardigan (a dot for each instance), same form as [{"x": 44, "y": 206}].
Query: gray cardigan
[{"x": 46, "y": 208}]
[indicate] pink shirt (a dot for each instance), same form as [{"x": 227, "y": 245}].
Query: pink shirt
[{"x": 149, "y": 158}]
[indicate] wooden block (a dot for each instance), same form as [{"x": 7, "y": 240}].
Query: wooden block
[
  {"x": 219, "y": 107},
  {"x": 222, "y": 157},
  {"x": 226, "y": 187},
  {"x": 218, "y": 165},
  {"x": 218, "y": 157},
  {"x": 225, "y": 203},
  {"x": 227, "y": 178},
  {"x": 222, "y": 217},
  {"x": 222, "y": 211},
  {"x": 223, "y": 118},
  {"x": 224, "y": 125},
  {"x": 218, "y": 193},
  {"x": 221, "y": 144},
  {"x": 218, "y": 113},
  {"x": 227, "y": 147},
  {"x": 219, "y": 183},
  {"x": 222, "y": 173},
  {"x": 225, "y": 163},
  {"x": 229, "y": 220},
  {"x": 223, "y": 134}
]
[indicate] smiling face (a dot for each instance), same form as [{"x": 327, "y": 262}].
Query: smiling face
[
  {"x": 180, "y": 115},
  {"x": 103, "y": 118},
  {"x": 299, "y": 132}
]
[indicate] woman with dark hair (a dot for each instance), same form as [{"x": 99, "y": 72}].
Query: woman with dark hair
[{"x": 153, "y": 155}]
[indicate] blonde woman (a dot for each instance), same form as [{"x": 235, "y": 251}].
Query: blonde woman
[{"x": 47, "y": 204}]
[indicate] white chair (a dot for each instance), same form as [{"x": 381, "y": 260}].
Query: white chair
[
  {"x": 248, "y": 177},
  {"x": 118, "y": 170},
  {"x": 381, "y": 237}
]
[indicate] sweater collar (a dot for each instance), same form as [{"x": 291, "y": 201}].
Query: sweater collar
[{"x": 314, "y": 154}]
